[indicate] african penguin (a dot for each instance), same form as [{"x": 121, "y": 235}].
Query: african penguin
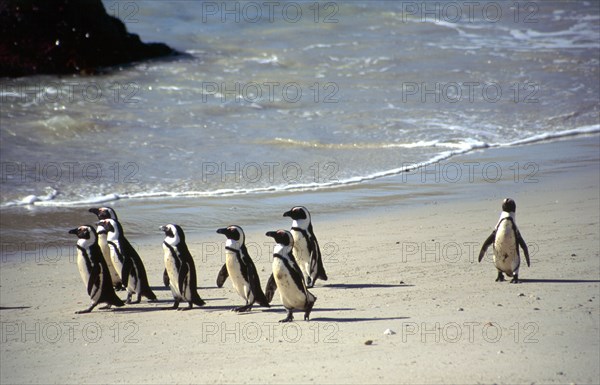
[
  {"x": 306, "y": 246},
  {"x": 127, "y": 261},
  {"x": 240, "y": 268},
  {"x": 506, "y": 240},
  {"x": 106, "y": 213},
  {"x": 180, "y": 267},
  {"x": 288, "y": 277},
  {"x": 94, "y": 270}
]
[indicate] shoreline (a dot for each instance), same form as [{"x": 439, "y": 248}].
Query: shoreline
[
  {"x": 447, "y": 180},
  {"x": 401, "y": 255}
]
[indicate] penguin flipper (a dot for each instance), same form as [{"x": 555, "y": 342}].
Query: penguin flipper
[
  {"x": 254, "y": 280},
  {"x": 127, "y": 266},
  {"x": 184, "y": 271},
  {"x": 222, "y": 277},
  {"x": 321, "y": 274},
  {"x": 166, "y": 279},
  {"x": 270, "y": 289},
  {"x": 487, "y": 244},
  {"x": 296, "y": 275},
  {"x": 94, "y": 281},
  {"x": 523, "y": 245}
]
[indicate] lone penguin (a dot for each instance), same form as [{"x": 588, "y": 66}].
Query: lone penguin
[
  {"x": 287, "y": 277},
  {"x": 127, "y": 262},
  {"x": 240, "y": 267},
  {"x": 94, "y": 270},
  {"x": 107, "y": 213},
  {"x": 306, "y": 246},
  {"x": 506, "y": 240},
  {"x": 180, "y": 267}
]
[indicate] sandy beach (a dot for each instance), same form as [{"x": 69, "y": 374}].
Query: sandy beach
[{"x": 398, "y": 262}]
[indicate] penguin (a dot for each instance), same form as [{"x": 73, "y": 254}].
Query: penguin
[
  {"x": 94, "y": 270},
  {"x": 180, "y": 267},
  {"x": 506, "y": 240},
  {"x": 109, "y": 213},
  {"x": 288, "y": 277},
  {"x": 127, "y": 261},
  {"x": 106, "y": 213},
  {"x": 241, "y": 269},
  {"x": 306, "y": 246}
]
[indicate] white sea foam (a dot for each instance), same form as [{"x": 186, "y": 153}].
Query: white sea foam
[{"x": 455, "y": 149}]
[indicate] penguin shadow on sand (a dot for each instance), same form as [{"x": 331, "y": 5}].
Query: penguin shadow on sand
[
  {"x": 550, "y": 280},
  {"x": 364, "y": 285},
  {"x": 317, "y": 310},
  {"x": 356, "y": 319}
]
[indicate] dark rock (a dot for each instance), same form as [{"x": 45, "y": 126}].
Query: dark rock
[{"x": 66, "y": 36}]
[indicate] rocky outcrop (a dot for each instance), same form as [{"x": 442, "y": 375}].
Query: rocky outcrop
[{"x": 66, "y": 36}]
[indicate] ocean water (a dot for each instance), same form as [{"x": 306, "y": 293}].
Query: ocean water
[{"x": 286, "y": 97}]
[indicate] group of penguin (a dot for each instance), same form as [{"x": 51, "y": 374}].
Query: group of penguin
[{"x": 107, "y": 261}]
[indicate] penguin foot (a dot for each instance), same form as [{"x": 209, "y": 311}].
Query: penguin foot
[
  {"x": 500, "y": 277},
  {"x": 175, "y": 306},
  {"x": 289, "y": 318},
  {"x": 88, "y": 310},
  {"x": 308, "y": 310},
  {"x": 515, "y": 279},
  {"x": 242, "y": 309},
  {"x": 309, "y": 281}
]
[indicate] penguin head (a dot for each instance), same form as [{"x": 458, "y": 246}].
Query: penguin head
[
  {"x": 104, "y": 213},
  {"x": 235, "y": 235},
  {"x": 282, "y": 237},
  {"x": 86, "y": 235},
  {"x": 112, "y": 228},
  {"x": 509, "y": 206},
  {"x": 173, "y": 234},
  {"x": 100, "y": 229},
  {"x": 300, "y": 215}
]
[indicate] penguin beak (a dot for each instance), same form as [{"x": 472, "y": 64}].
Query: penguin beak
[
  {"x": 222, "y": 230},
  {"x": 73, "y": 231},
  {"x": 163, "y": 228},
  {"x": 94, "y": 211},
  {"x": 287, "y": 213},
  {"x": 271, "y": 234}
]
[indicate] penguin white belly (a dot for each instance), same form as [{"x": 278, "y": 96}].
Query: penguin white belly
[
  {"x": 118, "y": 265},
  {"x": 291, "y": 296},
  {"x": 234, "y": 269},
  {"x": 506, "y": 258},
  {"x": 185, "y": 289},
  {"x": 103, "y": 243},
  {"x": 301, "y": 253},
  {"x": 172, "y": 272},
  {"x": 83, "y": 269}
]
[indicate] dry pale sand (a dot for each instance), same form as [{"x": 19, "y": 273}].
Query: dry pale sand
[{"x": 408, "y": 268}]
